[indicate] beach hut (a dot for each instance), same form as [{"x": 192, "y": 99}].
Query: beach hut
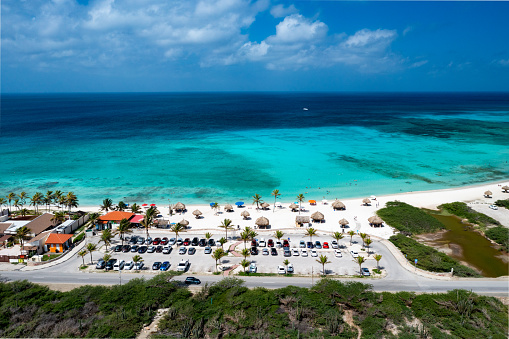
[
  {"x": 245, "y": 215},
  {"x": 375, "y": 221},
  {"x": 505, "y": 189},
  {"x": 197, "y": 214},
  {"x": 294, "y": 207},
  {"x": 488, "y": 194},
  {"x": 179, "y": 207},
  {"x": 262, "y": 222},
  {"x": 338, "y": 205},
  {"x": 300, "y": 220},
  {"x": 343, "y": 222},
  {"x": 228, "y": 208},
  {"x": 184, "y": 223},
  {"x": 366, "y": 202},
  {"x": 318, "y": 217}
]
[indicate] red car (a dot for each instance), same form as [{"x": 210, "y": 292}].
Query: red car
[
  {"x": 187, "y": 241},
  {"x": 325, "y": 245},
  {"x": 253, "y": 243},
  {"x": 156, "y": 241},
  {"x": 270, "y": 243},
  {"x": 286, "y": 243},
  {"x": 164, "y": 241}
]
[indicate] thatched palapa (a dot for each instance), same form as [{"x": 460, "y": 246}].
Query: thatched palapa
[
  {"x": 505, "y": 189},
  {"x": 317, "y": 216},
  {"x": 375, "y": 220},
  {"x": 197, "y": 213},
  {"x": 301, "y": 219},
  {"x": 228, "y": 208},
  {"x": 338, "y": 205},
  {"x": 245, "y": 214},
  {"x": 184, "y": 222},
  {"x": 343, "y": 222},
  {"x": 179, "y": 207},
  {"x": 294, "y": 207},
  {"x": 262, "y": 222},
  {"x": 366, "y": 201},
  {"x": 265, "y": 205},
  {"x": 488, "y": 194}
]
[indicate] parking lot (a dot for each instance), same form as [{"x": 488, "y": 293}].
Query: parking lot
[{"x": 201, "y": 263}]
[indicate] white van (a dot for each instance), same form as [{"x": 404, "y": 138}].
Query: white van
[{"x": 119, "y": 265}]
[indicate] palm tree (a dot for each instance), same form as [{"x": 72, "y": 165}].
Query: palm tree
[
  {"x": 121, "y": 206},
  {"x": 48, "y": 198},
  {"x": 363, "y": 237},
  {"x": 10, "y": 197},
  {"x": 323, "y": 260},
  {"x": 310, "y": 232},
  {"x": 226, "y": 224},
  {"x": 208, "y": 235},
  {"x": 257, "y": 199},
  {"x": 337, "y": 236},
  {"x": 23, "y": 212},
  {"x": 137, "y": 258},
  {"x": 135, "y": 208},
  {"x": 71, "y": 200},
  {"x": 36, "y": 201},
  {"x": 16, "y": 203},
  {"x": 378, "y": 257},
  {"x": 222, "y": 241},
  {"x": 276, "y": 194},
  {"x": 177, "y": 228},
  {"x": 218, "y": 254},
  {"x": 58, "y": 217},
  {"x": 3, "y": 201},
  {"x": 56, "y": 196},
  {"x": 252, "y": 235},
  {"x": 82, "y": 254},
  {"x": 300, "y": 199},
  {"x": 360, "y": 261},
  {"x": 22, "y": 234},
  {"x": 215, "y": 207},
  {"x": 278, "y": 235},
  {"x": 123, "y": 228},
  {"x": 351, "y": 234},
  {"x": 245, "y": 253},
  {"x": 91, "y": 248},
  {"x": 106, "y": 257},
  {"x": 244, "y": 235},
  {"x": 107, "y": 205},
  {"x": 151, "y": 212},
  {"x": 22, "y": 197},
  {"x": 244, "y": 263},
  {"x": 368, "y": 242},
  {"x": 286, "y": 262},
  {"x": 146, "y": 222},
  {"x": 106, "y": 237},
  {"x": 62, "y": 201},
  {"x": 93, "y": 218}
]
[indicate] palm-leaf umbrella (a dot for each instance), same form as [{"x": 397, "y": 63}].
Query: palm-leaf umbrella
[
  {"x": 505, "y": 188},
  {"x": 228, "y": 207},
  {"x": 343, "y": 222},
  {"x": 265, "y": 205},
  {"x": 197, "y": 213},
  {"x": 245, "y": 214},
  {"x": 262, "y": 221},
  {"x": 179, "y": 207},
  {"x": 488, "y": 194},
  {"x": 294, "y": 207},
  {"x": 317, "y": 216},
  {"x": 338, "y": 205},
  {"x": 184, "y": 222},
  {"x": 366, "y": 201},
  {"x": 375, "y": 220}
]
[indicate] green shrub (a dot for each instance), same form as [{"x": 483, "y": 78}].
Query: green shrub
[
  {"x": 430, "y": 259},
  {"x": 409, "y": 219},
  {"x": 78, "y": 238},
  {"x": 461, "y": 209},
  {"x": 502, "y": 203},
  {"x": 500, "y": 235}
]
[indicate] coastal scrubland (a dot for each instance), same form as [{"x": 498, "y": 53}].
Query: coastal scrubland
[
  {"x": 228, "y": 309},
  {"x": 409, "y": 219}
]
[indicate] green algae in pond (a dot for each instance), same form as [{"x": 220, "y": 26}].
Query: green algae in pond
[{"x": 476, "y": 249}]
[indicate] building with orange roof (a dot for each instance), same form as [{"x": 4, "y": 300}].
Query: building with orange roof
[
  {"x": 58, "y": 243},
  {"x": 112, "y": 218}
]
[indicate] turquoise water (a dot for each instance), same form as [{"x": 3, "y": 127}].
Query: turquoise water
[{"x": 200, "y": 148}]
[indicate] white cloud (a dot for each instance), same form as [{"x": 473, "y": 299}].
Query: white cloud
[
  {"x": 419, "y": 64},
  {"x": 280, "y": 11},
  {"x": 298, "y": 28},
  {"x": 504, "y": 62},
  {"x": 365, "y": 37}
]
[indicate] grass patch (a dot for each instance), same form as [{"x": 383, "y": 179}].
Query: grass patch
[
  {"x": 78, "y": 238},
  {"x": 500, "y": 235},
  {"x": 502, "y": 203},
  {"x": 430, "y": 259},
  {"x": 46, "y": 257},
  {"x": 377, "y": 271},
  {"x": 461, "y": 210},
  {"x": 247, "y": 274},
  {"x": 216, "y": 273},
  {"x": 409, "y": 219}
]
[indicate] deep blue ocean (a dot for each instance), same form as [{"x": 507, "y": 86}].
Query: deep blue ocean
[{"x": 225, "y": 147}]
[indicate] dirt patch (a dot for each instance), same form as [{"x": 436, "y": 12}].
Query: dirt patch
[
  {"x": 62, "y": 287},
  {"x": 348, "y": 318}
]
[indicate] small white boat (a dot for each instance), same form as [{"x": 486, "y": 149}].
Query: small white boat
[{"x": 304, "y": 109}]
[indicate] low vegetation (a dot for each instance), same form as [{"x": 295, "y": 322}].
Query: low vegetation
[
  {"x": 430, "y": 259},
  {"x": 409, "y": 219},
  {"x": 228, "y": 309},
  {"x": 502, "y": 203},
  {"x": 500, "y": 235},
  {"x": 461, "y": 210}
]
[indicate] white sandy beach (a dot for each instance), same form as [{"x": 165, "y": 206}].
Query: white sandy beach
[{"x": 356, "y": 213}]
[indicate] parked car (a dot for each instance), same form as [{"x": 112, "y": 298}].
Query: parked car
[
  {"x": 148, "y": 241},
  {"x": 254, "y": 251},
  {"x": 139, "y": 265},
  {"x": 273, "y": 251},
  {"x": 202, "y": 243},
  {"x": 100, "y": 264},
  {"x": 167, "y": 250},
  {"x": 212, "y": 242},
  {"x": 314, "y": 253},
  {"x": 354, "y": 254},
  {"x": 191, "y": 251},
  {"x": 142, "y": 249},
  {"x": 338, "y": 254},
  {"x": 208, "y": 250},
  {"x": 287, "y": 252},
  {"x": 110, "y": 263},
  {"x": 140, "y": 241},
  {"x": 133, "y": 240},
  {"x": 156, "y": 266},
  {"x": 253, "y": 268},
  {"x": 290, "y": 268},
  {"x": 126, "y": 248},
  {"x": 182, "y": 250},
  {"x": 326, "y": 245},
  {"x": 318, "y": 245},
  {"x": 192, "y": 280},
  {"x": 270, "y": 243},
  {"x": 262, "y": 243},
  {"x": 254, "y": 243},
  {"x": 134, "y": 248},
  {"x": 151, "y": 249},
  {"x": 265, "y": 251},
  {"x": 279, "y": 244},
  {"x": 195, "y": 241},
  {"x": 365, "y": 272},
  {"x": 118, "y": 248},
  {"x": 286, "y": 243},
  {"x": 302, "y": 244},
  {"x": 281, "y": 269},
  {"x": 179, "y": 241},
  {"x": 156, "y": 241},
  {"x": 164, "y": 241},
  {"x": 164, "y": 266},
  {"x": 494, "y": 207},
  {"x": 310, "y": 244},
  {"x": 172, "y": 241},
  {"x": 159, "y": 249},
  {"x": 187, "y": 242},
  {"x": 304, "y": 252},
  {"x": 295, "y": 252},
  {"x": 334, "y": 244},
  {"x": 128, "y": 265},
  {"x": 183, "y": 265}
]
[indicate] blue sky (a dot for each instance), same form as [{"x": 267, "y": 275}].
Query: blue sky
[{"x": 264, "y": 45}]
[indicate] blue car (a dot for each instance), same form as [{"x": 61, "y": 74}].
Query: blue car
[
  {"x": 310, "y": 244},
  {"x": 165, "y": 266}
]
